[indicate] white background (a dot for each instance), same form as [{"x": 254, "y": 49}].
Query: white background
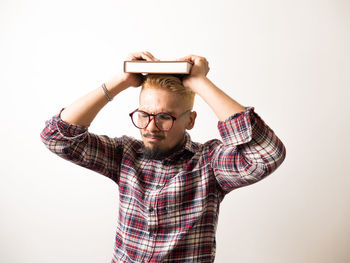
[{"x": 288, "y": 59}]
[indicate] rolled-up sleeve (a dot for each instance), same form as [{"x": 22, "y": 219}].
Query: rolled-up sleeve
[
  {"x": 250, "y": 151},
  {"x": 76, "y": 144}
]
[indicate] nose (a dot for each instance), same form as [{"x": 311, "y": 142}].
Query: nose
[{"x": 152, "y": 125}]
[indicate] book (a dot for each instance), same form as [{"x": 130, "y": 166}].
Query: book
[{"x": 158, "y": 67}]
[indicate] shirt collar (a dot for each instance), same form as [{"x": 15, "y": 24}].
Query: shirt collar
[
  {"x": 189, "y": 145},
  {"x": 184, "y": 152}
]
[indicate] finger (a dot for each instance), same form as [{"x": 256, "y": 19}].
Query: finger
[
  {"x": 149, "y": 56},
  {"x": 182, "y": 58},
  {"x": 195, "y": 59},
  {"x": 141, "y": 56},
  {"x": 189, "y": 58}
]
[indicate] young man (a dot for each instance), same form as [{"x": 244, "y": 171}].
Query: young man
[{"x": 170, "y": 187}]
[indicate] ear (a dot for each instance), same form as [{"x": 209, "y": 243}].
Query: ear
[{"x": 191, "y": 121}]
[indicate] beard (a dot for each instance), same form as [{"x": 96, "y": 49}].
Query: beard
[
  {"x": 155, "y": 153},
  {"x": 158, "y": 153}
]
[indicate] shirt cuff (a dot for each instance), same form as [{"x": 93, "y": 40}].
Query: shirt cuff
[
  {"x": 67, "y": 130},
  {"x": 237, "y": 129}
]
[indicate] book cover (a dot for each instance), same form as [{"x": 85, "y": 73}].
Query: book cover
[{"x": 158, "y": 67}]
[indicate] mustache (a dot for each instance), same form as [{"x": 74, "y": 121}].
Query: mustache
[{"x": 153, "y": 135}]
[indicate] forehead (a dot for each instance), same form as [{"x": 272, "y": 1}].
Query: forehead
[{"x": 160, "y": 100}]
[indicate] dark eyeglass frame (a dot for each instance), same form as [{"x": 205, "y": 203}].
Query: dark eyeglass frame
[{"x": 155, "y": 119}]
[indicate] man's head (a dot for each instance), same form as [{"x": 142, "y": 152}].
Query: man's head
[{"x": 165, "y": 94}]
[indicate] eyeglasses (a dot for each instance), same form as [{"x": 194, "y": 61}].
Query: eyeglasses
[{"x": 163, "y": 121}]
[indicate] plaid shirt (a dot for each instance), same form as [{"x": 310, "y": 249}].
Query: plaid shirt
[{"x": 168, "y": 210}]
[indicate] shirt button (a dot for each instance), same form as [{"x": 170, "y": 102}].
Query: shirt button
[
  {"x": 150, "y": 209},
  {"x": 151, "y": 233},
  {"x": 158, "y": 186}
]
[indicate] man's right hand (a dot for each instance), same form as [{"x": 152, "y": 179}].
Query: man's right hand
[
  {"x": 134, "y": 79},
  {"x": 83, "y": 111}
]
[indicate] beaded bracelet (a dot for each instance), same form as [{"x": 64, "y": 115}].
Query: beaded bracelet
[{"x": 106, "y": 92}]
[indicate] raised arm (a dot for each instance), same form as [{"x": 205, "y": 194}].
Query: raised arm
[
  {"x": 66, "y": 134},
  {"x": 83, "y": 111},
  {"x": 222, "y": 105},
  {"x": 250, "y": 150}
]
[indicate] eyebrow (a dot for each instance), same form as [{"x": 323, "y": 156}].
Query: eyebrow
[{"x": 162, "y": 111}]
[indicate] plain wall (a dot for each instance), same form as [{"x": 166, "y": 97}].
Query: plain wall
[{"x": 288, "y": 59}]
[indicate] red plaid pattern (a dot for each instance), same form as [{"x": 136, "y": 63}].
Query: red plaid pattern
[{"x": 168, "y": 209}]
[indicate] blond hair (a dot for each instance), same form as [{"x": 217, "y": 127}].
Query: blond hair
[{"x": 170, "y": 83}]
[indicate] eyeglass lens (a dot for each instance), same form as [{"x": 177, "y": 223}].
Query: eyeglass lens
[{"x": 163, "y": 121}]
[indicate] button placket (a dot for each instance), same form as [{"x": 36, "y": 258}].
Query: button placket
[
  {"x": 154, "y": 189},
  {"x": 152, "y": 216},
  {"x": 151, "y": 224}
]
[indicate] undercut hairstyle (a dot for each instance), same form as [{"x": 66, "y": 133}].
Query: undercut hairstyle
[{"x": 170, "y": 83}]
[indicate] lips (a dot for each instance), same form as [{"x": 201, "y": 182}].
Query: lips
[{"x": 153, "y": 137}]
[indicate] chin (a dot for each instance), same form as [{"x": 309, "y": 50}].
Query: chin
[
  {"x": 151, "y": 145},
  {"x": 155, "y": 153}
]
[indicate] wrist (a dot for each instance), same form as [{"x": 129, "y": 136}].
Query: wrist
[
  {"x": 125, "y": 80},
  {"x": 196, "y": 83},
  {"x": 117, "y": 84}
]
